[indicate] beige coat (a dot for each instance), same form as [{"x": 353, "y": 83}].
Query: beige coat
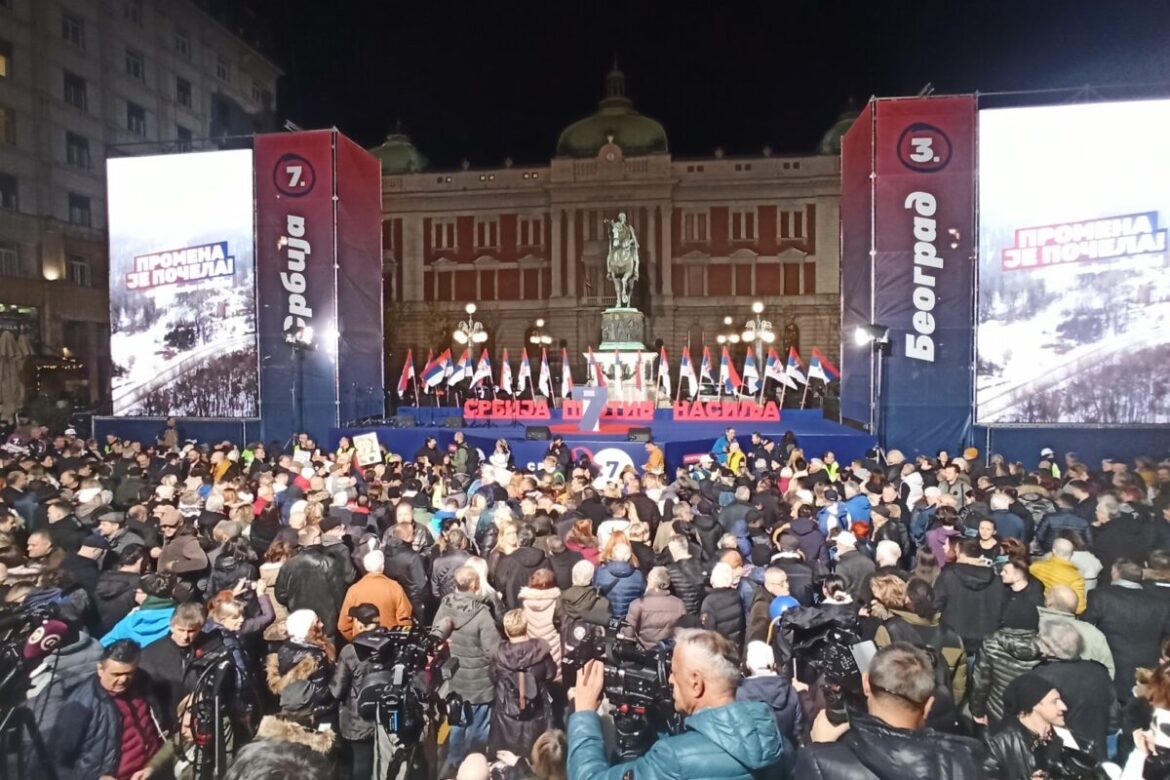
[{"x": 539, "y": 607}]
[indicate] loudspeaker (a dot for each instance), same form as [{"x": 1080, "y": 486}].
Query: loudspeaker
[
  {"x": 537, "y": 433},
  {"x": 405, "y": 421},
  {"x": 638, "y": 434},
  {"x": 454, "y": 421}
]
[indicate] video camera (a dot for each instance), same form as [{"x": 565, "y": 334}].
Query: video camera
[
  {"x": 16, "y": 626},
  {"x": 637, "y": 683},
  {"x": 401, "y": 674}
]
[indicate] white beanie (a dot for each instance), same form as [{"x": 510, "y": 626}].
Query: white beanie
[
  {"x": 300, "y": 623},
  {"x": 759, "y": 657}
]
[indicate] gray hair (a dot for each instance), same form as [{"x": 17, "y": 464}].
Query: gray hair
[
  {"x": 887, "y": 553},
  {"x": 904, "y": 673},
  {"x": 714, "y": 654},
  {"x": 999, "y": 501},
  {"x": 722, "y": 575},
  {"x": 1111, "y": 506},
  {"x": 658, "y": 579},
  {"x": 1060, "y": 639},
  {"x": 743, "y": 493},
  {"x": 583, "y": 572},
  {"x": 680, "y": 547},
  {"x": 374, "y": 562}
]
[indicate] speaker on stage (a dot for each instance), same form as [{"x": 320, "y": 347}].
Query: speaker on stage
[
  {"x": 537, "y": 433},
  {"x": 454, "y": 421},
  {"x": 638, "y": 434},
  {"x": 405, "y": 421}
]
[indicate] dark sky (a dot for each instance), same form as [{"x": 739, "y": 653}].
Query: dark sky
[{"x": 491, "y": 79}]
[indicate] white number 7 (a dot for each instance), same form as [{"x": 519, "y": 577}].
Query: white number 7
[{"x": 294, "y": 175}]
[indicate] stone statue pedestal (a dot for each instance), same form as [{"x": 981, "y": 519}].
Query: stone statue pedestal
[
  {"x": 622, "y": 337},
  {"x": 622, "y": 329}
]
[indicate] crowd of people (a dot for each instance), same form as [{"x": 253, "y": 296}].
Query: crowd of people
[{"x": 942, "y": 617}]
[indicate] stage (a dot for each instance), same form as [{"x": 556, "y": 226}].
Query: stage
[{"x": 680, "y": 441}]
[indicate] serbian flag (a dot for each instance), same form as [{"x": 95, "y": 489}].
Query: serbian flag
[
  {"x": 407, "y": 374},
  {"x": 436, "y": 372},
  {"x": 505, "y": 373},
  {"x": 483, "y": 370},
  {"x": 705, "y": 367},
  {"x": 728, "y": 377},
  {"x": 461, "y": 368},
  {"x": 751, "y": 374},
  {"x": 524, "y": 378},
  {"x": 664, "y": 370},
  {"x": 820, "y": 368},
  {"x": 596, "y": 372},
  {"x": 686, "y": 373},
  {"x": 774, "y": 369},
  {"x": 566, "y": 375},
  {"x": 426, "y": 367},
  {"x": 544, "y": 381},
  {"x": 617, "y": 370},
  {"x": 638, "y": 377},
  {"x": 795, "y": 368}
]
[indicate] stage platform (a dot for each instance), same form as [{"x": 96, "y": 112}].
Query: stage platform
[{"x": 680, "y": 441}]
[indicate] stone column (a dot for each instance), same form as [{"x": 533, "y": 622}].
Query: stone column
[
  {"x": 667, "y": 259},
  {"x": 574, "y": 254},
  {"x": 412, "y": 257},
  {"x": 655, "y": 263},
  {"x": 557, "y": 256}
]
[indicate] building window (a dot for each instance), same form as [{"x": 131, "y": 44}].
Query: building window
[
  {"x": 9, "y": 199},
  {"x": 223, "y": 71},
  {"x": 132, "y": 12},
  {"x": 442, "y": 234},
  {"x": 5, "y": 59},
  {"x": 532, "y": 231},
  {"x": 182, "y": 42},
  {"x": 258, "y": 92},
  {"x": 135, "y": 64},
  {"x": 73, "y": 30},
  {"x": 183, "y": 91},
  {"x": 79, "y": 210},
  {"x": 136, "y": 119},
  {"x": 75, "y": 91},
  {"x": 7, "y": 126},
  {"x": 80, "y": 271},
  {"x": 487, "y": 232},
  {"x": 792, "y": 224},
  {"x": 9, "y": 260},
  {"x": 791, "y": 278},
  {"x": 183, "y": 134},
  {"x": 743, "y": 225},
  {"x": 77, "y": 150},
  {"x": 695, "y": 226}
]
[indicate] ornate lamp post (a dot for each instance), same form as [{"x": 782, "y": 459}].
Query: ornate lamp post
[
  {"x": 759, "y": 330},
  {"x": 470, "y": 331}
]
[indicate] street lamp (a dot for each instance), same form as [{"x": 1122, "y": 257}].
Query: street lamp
[
  {"x": 731, "y": 335},
  {"x": 470, "y": 332},
  {"x": 759, "y": 329},
  {"x": 877, "y": 337},
  {"x": 539, "y": 336}
]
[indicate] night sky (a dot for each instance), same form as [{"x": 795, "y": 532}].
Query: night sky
[{"x": 489, "y": 80}]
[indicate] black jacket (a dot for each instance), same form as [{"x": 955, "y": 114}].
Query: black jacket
[
  {"x": 1134, "y": 622},
  {"x": 1013, "y": 748},
  {"x": 688, "y": 582},
  {"x": 709, "y": 531},
  {"x": 531, "y": 660},
  {"x": 970, "y": 598},
  {"x": 1087, "y": 690},
  {"x": 722, "y": 611},
  {"x": 1127, "y": 536},
  {"x": 872, "y": 750},
  {"x": 405, "y": 566},
  {"x": 312, "y": 579},
  {"x": 513, "y": 570},
  {"x": 114, "y": 597},
  {"x": 67, "y": 533},
  {"x": 1005, "y": 655},
  {"x": 562, "y": 565},
  {"x": 800, "y": 578},
  {"x": 443, "y": 569},
  {"x": 855, "y": 568},
  {"x": 163, "y": 665}
]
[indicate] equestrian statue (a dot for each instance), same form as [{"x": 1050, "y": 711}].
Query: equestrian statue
[{"x": 621, "y": 264}]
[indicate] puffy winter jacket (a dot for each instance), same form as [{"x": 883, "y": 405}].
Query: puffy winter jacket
[
  {"x": 738, "y": 741},
  {"x": 777, "y": 692},
  {"x": 406, "y": 567},
  {"x": 873, "y": 750},
  {"x": 57, "y": 676},
  {"x": 151, "y": 621},
  {"x": 1013, "y": 748},
  {"x": 621, "y": 583},
  {"x": 514, "y": 569},
  {"x": 810, "y": 540},
  {"x": 722, "y": 611},
  {"x": 1006, "y": 654},
  {"x": 653, "y": 618},
  {"x": 583, "y": 602},
  {"x": 529, "y": 660},
  {"x": 688, "y": 582},
  {"x": 540, "y": 610},
  {"x": 114, "y": 597},
  {"x": 86, "y": 738},
  {"x": 474, "y": 640}
]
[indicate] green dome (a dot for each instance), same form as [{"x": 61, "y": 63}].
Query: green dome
[
  {"x": 616, "y": 120},
  {"x": 831, "y": 140},
  {"x": 398, "y": 155}
]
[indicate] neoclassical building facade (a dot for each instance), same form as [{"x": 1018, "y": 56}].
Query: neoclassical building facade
[{"x": 527, "y": 241}]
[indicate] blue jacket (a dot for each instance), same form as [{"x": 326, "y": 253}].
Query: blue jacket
[
  {"x": 621, "y": 583},
  {"x": 1053, "y": 523},
  {"x": 143, "y": 625},
  {"x": 858, "y": 508},
  {"x": 738, "y": 741},
  {"x": 1009, "y": 525}
]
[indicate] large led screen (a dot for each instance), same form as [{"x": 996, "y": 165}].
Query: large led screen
[
  {"x": 182, "y": 285},
  {"x": 1073, "y": 322}
]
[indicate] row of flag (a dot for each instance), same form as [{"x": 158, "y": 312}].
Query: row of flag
[{"x": 444, "y": 369}]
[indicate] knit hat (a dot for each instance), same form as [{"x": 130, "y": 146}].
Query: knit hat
[
  {"x": 44, "y": 639},
  {"x": 366, "y": 613},
  {"x": 1020, "y": 614},
  {"x": 847, "y": 540},
  {"x": 759, "y": 657},
  {"x": 300, "y": 623},
  {"x": 1025, "y": 692}
]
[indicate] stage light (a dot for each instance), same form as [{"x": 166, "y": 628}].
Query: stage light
[
  {"x": 878, "y": 335},
  {"x": 861, "y": 336},
  {"x": 300, "y": 337},
  {"x": 768, "y": 336},
  {"x": 539, "y": 323}
]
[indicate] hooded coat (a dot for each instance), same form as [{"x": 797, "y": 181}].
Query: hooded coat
[
  {"x": 810, "y": 540},
  {"x": 150, "y": 622},
  {"x": 873, "y": 750},
  {"x": 56, "y": 677},
  {"x": 970, "y": 598},
  {"x": 474, "y": 640},
  {"x": 582, "y": 602},
  {"x": 738, "y": 741},
  {"x": 1006, "y": 654},
  {"x": 513, "y": 570},
  {"x": 511, "y": 730},
  {"x": 114, "y": 597}
]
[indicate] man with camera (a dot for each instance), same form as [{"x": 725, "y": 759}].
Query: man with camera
[
  {"x": 890, "y": 741},
  {"x": 721, "y": 738},
  {"x": 356, "y": 731}
]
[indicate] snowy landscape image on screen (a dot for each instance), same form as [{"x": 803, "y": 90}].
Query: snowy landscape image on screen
[
  {"x": 1073, "y": 311},
  {"x": 182, "y": 285}
]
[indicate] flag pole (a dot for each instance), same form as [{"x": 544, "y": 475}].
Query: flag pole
[{"x": 804, "y": 395}]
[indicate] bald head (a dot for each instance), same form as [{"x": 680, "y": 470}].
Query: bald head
[
  {"x": 1062, "y": 548},
  {"x": 1061, "y": 598}
]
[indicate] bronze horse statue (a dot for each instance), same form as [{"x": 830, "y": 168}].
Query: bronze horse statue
[{"x": 621, "y": 264}]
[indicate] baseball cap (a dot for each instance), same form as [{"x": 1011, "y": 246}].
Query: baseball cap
[
  {"x": 1046, "y": 452},
  {"x": 366, "y": 613},
  {"x": 70, "y": 431},
  {"x": 831, "y": 495}
]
